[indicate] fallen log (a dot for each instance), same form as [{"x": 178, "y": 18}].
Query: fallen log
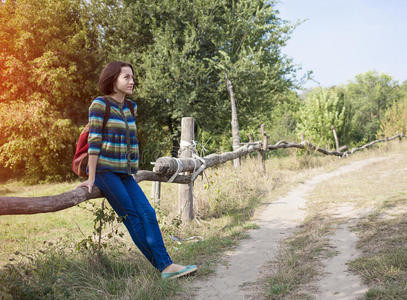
[{"x": 34, "y": 205}]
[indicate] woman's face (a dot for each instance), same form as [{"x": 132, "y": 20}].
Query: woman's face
[{"x": 124, "y": 83}]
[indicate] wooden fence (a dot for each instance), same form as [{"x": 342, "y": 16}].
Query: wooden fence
[{"x": 182, "y": 170}]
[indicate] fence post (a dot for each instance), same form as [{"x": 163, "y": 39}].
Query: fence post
[
  {"x": 185, "y": 191},
  {"x": 156, "y": 191},
  {"x": 251, "y": 140},
  {"x": 264, "y": 148}
]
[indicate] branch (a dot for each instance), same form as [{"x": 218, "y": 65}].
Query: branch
[{"x": 34, "y": 205}]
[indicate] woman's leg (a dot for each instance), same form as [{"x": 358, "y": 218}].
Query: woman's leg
[
  {"x": 148, "y": 216},
  {"x": 116, "y": 193}
]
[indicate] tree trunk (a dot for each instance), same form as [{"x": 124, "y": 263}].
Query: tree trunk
[
  {"x": 335, "y": 137},
  {"x": 235, "y": 123},
  {"x": 264, "y": 147}
]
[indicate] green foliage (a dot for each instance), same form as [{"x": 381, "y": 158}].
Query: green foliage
[
  {"x": 35, "y": 141},
  {"x": 104, "y": 216},
  {"x": 395, "y": 119},
  {"x": 284, "y": 118},
  {"x": 322, "y": 109},
  {"x": 179, "y": 50},
  {"x": 52, "y": 58},
  {"x": 370, "y": 95},
  {"x": 182, "y": 48},
  {"x": 371, "y": 105},
  {"x": 47, "y": 75}
]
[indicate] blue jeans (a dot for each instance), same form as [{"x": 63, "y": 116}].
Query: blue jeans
[{"x": 128, "y": 200}]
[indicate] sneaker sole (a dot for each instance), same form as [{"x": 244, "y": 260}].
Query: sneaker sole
[{"x": 183, "y": 274}]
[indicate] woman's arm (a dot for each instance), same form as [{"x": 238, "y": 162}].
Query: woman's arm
[
  {"x": 92, "y": 162},
  {"x": 97, "y": 111}
]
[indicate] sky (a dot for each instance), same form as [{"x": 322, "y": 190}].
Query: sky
[{"x": 342, "y": 38}]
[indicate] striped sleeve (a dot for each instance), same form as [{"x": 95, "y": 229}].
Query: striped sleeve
[{"x": 96, "y": 115}]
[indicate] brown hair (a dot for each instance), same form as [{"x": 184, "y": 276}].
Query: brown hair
[{"x": 109, "y": 75}]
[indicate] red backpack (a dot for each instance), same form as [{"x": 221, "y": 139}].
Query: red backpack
[{"x": 80, "y": 159}]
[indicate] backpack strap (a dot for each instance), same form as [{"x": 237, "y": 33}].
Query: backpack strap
[
  {"x": 107, "y": 114},
  {"x": 131, "y": 107},
  {"x": 107, "y": 111}
]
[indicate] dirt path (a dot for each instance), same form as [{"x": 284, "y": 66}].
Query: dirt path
[
  {"x": 336, "y": 282},
  {"x": 237, "y": 278}
]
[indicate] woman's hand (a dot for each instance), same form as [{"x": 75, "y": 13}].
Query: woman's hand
[
  {"x": 92, "y": 162},
  {"x": 88, "y": 183}
]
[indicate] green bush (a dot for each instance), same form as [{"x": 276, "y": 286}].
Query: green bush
[
  {"x": 36, "y": 144},
  {"x": 395, "y": 119},
  {"x": 322, "y": 109}
]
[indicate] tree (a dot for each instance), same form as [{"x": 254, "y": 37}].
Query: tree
[
  {"x": 185, "y": 45},
  {"x": 284, "y": 118},
  {"x": 234, "y": 123},
  {"x": 370, "y": 95},
  {"x": 48, "y": 67},
  {"x": 394, "y": 120},
  {"x": 179, "y": 50},
  {"x": 322, "y": 109}
]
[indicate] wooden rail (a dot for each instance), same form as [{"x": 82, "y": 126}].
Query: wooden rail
[{"x": 164, "y": 168}]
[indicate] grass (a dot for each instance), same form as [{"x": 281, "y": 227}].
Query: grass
[
  {"x": 383, "y": 242},
  {"x": 298, "y": 261},
  {"x": 40, "y": 259},
  {"x": 378, "y": 187}
]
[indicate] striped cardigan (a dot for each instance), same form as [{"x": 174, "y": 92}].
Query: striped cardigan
[{"x": 112, "y": 147}]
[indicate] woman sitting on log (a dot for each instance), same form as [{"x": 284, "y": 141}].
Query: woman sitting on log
[{"x": 113, "y": 159}]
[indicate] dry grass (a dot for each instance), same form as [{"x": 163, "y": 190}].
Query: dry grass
[
  {"x": 383, "y": 242},
  {"x": 368, "y": 187},
  {"x": 298, "y": 261}
]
